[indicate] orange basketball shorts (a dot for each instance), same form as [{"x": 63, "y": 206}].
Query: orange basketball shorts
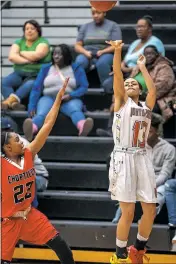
[{"x": 36, "y": 230}]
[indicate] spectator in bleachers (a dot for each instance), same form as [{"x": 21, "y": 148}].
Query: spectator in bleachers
[
  {"x": 49, "y": 81},
  {"x": 170, "y": 189},
  {"x": 163, "y": 156},
  {"x": 129, "y": 64},
  {"x": 27, "y": 55},
  {"x": 161, "y": 71},
  {"x": 144, "y": 33},
  {"x": 91, "y": 46},
  {"x": 41, "y": 172}
]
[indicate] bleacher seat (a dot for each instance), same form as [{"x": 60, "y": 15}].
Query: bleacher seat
[{"x": 78, "y": 182}]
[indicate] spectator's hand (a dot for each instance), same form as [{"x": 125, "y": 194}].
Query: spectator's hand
[
  {"x": 88, "y": 54},
  {"x": 99, "y": 53},
  {"x": 141, "y": 60},
  {"x": 66, "y": 98},
  {"x": 135, "y": 71}
]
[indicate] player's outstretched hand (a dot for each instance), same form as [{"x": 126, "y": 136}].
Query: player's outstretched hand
[
  {"x": 117, "y": 44},
  {"x": 141, "y": 60},
  {"x": 62, "y": 90}
]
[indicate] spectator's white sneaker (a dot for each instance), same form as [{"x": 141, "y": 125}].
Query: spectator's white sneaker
[
  {"x": 85, "y": 127},
  {"x": 174, "y": 244}
]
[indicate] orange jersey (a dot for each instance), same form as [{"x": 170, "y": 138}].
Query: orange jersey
[{"x": 18, "y": 184}]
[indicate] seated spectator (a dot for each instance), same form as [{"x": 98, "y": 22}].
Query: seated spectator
[
  {"x": 145, "y": 38},
  {"x": 160, "y": 69},
  {"x": 170, "y": 189},
  {"x": 163, "y": 157},
  {"x": 41, "y": 171},
  {"x": 144, "y": 33},
  {"x": 91, "y": 46},
  {"x": 49, "y": 81},
  {"x": 27, "y": 55}
]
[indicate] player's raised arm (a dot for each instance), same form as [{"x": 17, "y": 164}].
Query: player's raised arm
[
  {"x": 50, "y": 119},
  {"x": 151, "y": 96},
  {"x": 118, "y": 83}
]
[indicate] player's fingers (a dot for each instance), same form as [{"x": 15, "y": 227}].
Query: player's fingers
[{"x": 108, "y": 42}]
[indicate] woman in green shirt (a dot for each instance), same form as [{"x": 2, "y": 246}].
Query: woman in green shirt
[{"x": 27, "y": 54}]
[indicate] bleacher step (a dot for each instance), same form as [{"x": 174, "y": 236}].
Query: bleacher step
[
  {"x": 86, "y": 205},
  {"x": 99, "y": 234},
  {"x": 85, "y": 176}
]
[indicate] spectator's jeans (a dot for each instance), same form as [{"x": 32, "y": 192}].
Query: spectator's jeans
[
  {"x": 41, "y": 185},
  {"x": 103, "y": 64},
  {"x": 108, "y": 85},
  {"x": 72, "y": 109},
  {"x": 170, "y": 189},
  {"x": 15, "y": 83},
  {"x": 160, "y": 203}
]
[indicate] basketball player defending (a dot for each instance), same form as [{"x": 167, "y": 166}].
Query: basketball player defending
[
  {"x": 19, "y": 220},
  {"x": 131, "y": 174}
]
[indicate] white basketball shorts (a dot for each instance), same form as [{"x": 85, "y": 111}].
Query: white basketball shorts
[{"x": 132, "y": 177}]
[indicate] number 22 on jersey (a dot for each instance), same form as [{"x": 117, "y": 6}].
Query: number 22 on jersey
[{"x": 139, "y": 130}]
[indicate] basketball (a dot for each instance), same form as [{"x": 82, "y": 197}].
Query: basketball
[{"x": 103, "y": 6}]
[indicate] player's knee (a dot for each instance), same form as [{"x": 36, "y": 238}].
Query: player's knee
[
  {"x": 61, "y": 249},
  {"x": 128, "y": 214},
  {"x": 5, "y": 261},
  {"x": 150, "y": 211}
]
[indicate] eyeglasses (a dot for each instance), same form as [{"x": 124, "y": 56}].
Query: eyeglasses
[{"x": 141, "y": 27}]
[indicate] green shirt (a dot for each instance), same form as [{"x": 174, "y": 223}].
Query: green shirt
[{"x": 35, "y": 66}]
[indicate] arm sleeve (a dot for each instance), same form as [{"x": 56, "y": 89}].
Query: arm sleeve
[
  {"x": 81, "y": 33},
  {"x": 36, "y": 91},
  {"x": 116, "y": 33},
  {"x": 82, "y": 82},
  {"x": 17, "y": 42}
]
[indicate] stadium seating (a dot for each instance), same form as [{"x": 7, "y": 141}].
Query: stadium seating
[{"x": 77, "y": 200}]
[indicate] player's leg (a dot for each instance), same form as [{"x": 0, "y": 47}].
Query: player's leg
[
  {"x": 62, "y": 250},
  {"x": 122, "y": 186},
  {"x": 38, "y": 230},
  {"x": 137, "y": 252},
  {"x": 123, "y": 228},
  {"x": 146, "y": 194},
  {"x": 10, "y": 230}
]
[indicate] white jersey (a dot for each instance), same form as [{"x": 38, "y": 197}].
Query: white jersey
[{"x": 131, "y": 125}]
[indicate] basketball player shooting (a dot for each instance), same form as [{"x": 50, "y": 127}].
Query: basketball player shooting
[
  {"x": 19, "y": 220},
  {"x": 131, "y": 174}
]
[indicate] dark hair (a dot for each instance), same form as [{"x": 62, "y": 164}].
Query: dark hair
[
  {"x": 66, "y": 52},
  {"x": 149, "y": 20},
  {"x": 140, "y": 86},
  {"x": 156, "y": 120},
  {"x": 152, "y": 47},
  {"x": 35, "y": 24},
  {"x": 5, "y": 136}
]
